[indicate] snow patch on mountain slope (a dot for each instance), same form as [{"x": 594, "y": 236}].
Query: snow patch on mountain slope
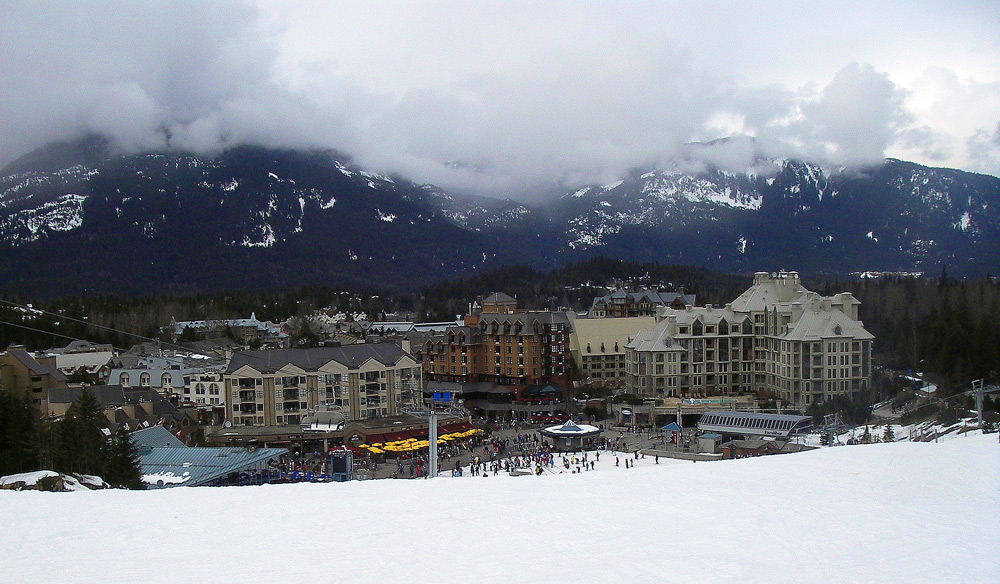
[
  {"x": 65, "y": 213},
  {"x": 675, "y": 185},
  {"x": 261, "y": 235}
]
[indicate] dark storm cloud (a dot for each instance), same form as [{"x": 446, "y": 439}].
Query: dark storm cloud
[{"x": 501, "y": 99}]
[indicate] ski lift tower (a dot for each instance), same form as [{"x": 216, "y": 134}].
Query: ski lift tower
[
  {"x": 443, "y": 398},
  {"x": 978, "y": 389},
  {"x": 832, "y": 424}
]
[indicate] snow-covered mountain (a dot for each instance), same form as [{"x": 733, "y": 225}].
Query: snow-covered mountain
[
  {"x": 76, "y": 217},
  {"x": 898, "y": 216}
]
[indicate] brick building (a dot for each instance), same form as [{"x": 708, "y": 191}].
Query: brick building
[{"x": 500, "y": 350}]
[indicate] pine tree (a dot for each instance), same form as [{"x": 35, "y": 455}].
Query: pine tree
[
  {"x": 124, "y": 470},
  {"x": 19, "y": 434},
  {"x": 81, "y": 446},
  {"x": 888, "y": 435}
]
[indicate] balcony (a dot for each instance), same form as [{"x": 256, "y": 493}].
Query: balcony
[{"x": 247, "y": 395}]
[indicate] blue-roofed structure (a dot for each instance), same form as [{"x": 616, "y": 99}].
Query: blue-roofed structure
[
  {"x": 166, "y": 462},
  {"x": 753, "y": 424},
  {"x": 155, "y": 436}
]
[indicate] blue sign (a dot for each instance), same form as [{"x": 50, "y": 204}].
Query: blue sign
[{"x": 442, "y": 396}]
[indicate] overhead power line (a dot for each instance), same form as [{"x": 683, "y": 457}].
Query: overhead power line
[{"x": 32, "y": 309}]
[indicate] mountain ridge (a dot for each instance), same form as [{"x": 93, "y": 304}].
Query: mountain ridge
[{"x": 264, "y": 218}]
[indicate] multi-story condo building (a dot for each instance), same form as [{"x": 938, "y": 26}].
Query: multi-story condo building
[
  {"x": 21, "y": 373},
  {"x": 278, "y": 387},
  {"x": 501, "y": 346},
  {"x": 597, "y": 346},
  {"x": 776, "y": 339},
  {"x": 624, "y": 304}
]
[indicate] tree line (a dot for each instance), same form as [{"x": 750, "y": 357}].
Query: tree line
[{"x": 73, "y": 444}]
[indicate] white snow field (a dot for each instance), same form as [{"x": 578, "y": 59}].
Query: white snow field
[{"x": 884, "y": 513}]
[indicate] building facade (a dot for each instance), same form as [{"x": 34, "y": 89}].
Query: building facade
[
  {"x": 250, "y": 331},
  {"x": 777, "y": 339},
  {"x": 180, "y": 377},
  {"x": 624, "y": 304},
  {"x": 278, "y": 387},
  {"x": 22, "y": 374},
  {"x": 597, "y": 346},
  {"x": 502, "y": 346}
]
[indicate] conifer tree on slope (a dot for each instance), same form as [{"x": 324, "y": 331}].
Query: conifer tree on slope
[
  {"x": 80, "y": 443},
  {"x": 19, "y": 434},
  {"x": 124, "y": 470}
]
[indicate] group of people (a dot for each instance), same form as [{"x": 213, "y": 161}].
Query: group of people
[{"x": 511, "y": 450}]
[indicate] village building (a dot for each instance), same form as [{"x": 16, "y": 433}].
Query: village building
[
  {"x": 502, "y": 359},
  {"x": 278, "y": 387},
  {"x": 23, "y": 374},
  {"x": 84, "y": 360},
  {"x": 597, "y": 347},
  {"x": 167, "y": 462},
  {"x": 181, "y": 377},
  {"x": 777, "y": 339},
  {"x": 626, "y": 304},
  {"x": 129, "y": 407},
  {"x": 250, "y": 331}
]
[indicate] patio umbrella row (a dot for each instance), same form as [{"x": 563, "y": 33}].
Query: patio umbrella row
[{"x": 411, "y": 444}]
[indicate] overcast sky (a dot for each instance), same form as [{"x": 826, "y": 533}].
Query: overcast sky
[{"x": 510, "y": 98}]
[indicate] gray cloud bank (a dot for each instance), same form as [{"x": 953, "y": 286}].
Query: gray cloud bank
[{"x": 493, "y": 100}]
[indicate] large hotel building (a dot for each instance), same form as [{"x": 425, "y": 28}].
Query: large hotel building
[{"x": 777, "y": 339}]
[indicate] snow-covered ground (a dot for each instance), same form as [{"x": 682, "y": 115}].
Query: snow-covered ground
[{"x": 883, "y": 513}]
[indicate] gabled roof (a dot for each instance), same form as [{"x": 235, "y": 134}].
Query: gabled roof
[
  {"x": 654, "y": 339},
  {"x": 34, "y": 366},
  {"x": 608, "y": 331},
  {"x": 525, "y": 318},
  {"x": 350, "y": 356},
  {"x": 645, "y": 295},
  {"x": 817, "y": 325},
  {"x": 155, "y": 436},
  {"x": 194, "y": 466},
  {"x": 499, "y": 297}
]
